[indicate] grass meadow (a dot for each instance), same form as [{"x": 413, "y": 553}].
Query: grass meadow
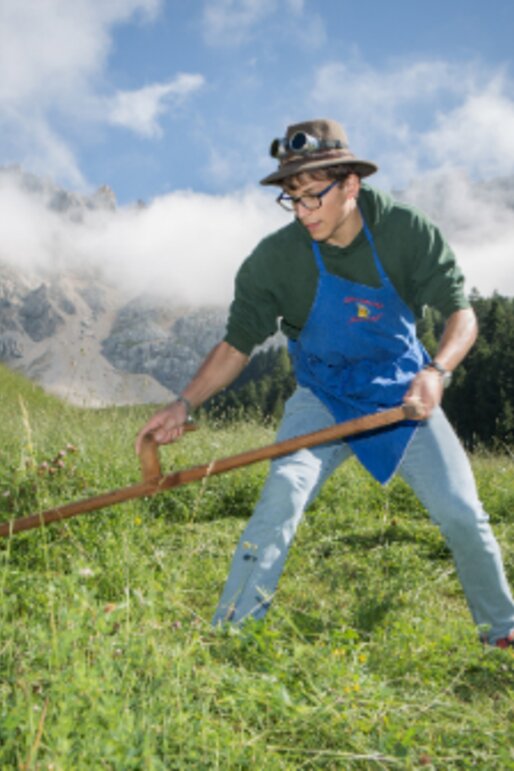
[{"x": 367, "y": 660}]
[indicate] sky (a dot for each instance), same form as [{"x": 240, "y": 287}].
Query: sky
[{"x": 175, "y": 103}]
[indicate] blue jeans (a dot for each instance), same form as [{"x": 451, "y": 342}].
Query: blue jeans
[{"x": 436, "y": 468}]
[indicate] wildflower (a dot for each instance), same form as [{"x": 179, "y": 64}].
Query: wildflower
[
  {"x": 86, "y": 573},
  {"x": 138, "y": 521}
]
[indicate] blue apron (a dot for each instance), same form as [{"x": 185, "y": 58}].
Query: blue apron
[{"x": 358, "y": 352}]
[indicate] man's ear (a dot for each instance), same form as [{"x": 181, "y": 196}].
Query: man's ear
[{"x": 353, "y": 185}]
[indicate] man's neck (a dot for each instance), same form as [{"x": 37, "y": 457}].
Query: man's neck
[{"x": 348, "y": 230}]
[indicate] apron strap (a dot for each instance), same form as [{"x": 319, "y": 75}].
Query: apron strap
[
  {"x": 318, "y": 258},
  {"x": 371, "y": 241}
]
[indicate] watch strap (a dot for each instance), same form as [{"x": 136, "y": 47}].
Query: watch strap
[
  {"x": 445, "y": 374},
  {"x": 187, "y": 404}
]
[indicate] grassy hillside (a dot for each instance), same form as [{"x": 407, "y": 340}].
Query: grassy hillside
[{"x": 367, "y": 660}]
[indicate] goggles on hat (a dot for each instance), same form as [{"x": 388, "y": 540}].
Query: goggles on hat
[{"x": 301, "y": 142}]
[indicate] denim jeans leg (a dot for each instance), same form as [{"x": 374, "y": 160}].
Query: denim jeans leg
[
  {"x": 292, "y": 484},
  {"x": 438, "y": 470}
]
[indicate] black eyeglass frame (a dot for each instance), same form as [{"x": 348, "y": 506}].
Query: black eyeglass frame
[{"x": 289, "y": 202}]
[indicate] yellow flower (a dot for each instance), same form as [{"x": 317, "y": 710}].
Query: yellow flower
[{"x": 138, "y": 521}]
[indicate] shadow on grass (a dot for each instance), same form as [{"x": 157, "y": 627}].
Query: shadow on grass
[
  {"x": 434, "y": 546},
  {"x": 493, "y": 676},
  {"x": 371, "y": 611},
  {"x": 208, "y": 505}
]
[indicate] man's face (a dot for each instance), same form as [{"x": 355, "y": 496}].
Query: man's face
[{"x": 337, "y": 217}]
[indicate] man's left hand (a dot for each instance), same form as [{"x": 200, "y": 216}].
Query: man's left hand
[{"x": 426, "y": 390}]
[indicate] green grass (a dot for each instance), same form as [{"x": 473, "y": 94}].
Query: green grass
[{"x": 367, "y": 659}]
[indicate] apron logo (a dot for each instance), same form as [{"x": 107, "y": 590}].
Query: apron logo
[{"x": 365, "y": 309}]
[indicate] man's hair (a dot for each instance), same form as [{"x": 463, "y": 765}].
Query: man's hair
[{"x": 337, "y": 172}]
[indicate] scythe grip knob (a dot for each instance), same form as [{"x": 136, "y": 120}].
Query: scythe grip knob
[{"x": 149, "y": 455}]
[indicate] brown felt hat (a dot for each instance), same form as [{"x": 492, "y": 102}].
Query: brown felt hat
[{"x": 314, "y": 144}]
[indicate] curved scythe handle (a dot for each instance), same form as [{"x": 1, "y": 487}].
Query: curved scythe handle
[
  {"x": 149, "y": 459},
  {"x": 149, "y": 455}
]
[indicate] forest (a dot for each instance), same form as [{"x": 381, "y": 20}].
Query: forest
[{"x": 479, "y": 401}]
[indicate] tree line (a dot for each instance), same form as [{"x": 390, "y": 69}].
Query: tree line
[{"x": 479, "y": 401}]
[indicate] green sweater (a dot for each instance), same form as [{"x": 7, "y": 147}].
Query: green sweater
[{"x": 276, "y": 284}]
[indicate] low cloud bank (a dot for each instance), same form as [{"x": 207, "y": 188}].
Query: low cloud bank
[
  {"x": 188, "y": 246},
  {"x": 477, "y": 218},
  {"x": 185, "y": 245}
]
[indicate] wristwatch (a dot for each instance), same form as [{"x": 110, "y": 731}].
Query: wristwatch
[
  {"x": 446, "y": 375},
  {"x": 187, "y": 405}
]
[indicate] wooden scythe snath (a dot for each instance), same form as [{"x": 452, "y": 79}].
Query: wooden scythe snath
[{"x": 154, "y": 481}]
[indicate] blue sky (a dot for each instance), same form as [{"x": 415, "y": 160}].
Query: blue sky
[{"x": 152, "y": 97}]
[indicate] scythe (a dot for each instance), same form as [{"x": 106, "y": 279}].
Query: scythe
[{"x": 153, "y": 481}]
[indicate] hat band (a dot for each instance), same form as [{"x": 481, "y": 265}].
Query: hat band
[{"x": 319, "y": 156}]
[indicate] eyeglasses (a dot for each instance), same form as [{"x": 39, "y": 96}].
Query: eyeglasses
[{"x": 310, "y": 201}]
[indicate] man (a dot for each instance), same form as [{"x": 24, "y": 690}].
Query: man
[{"x": 345, "y": 279}]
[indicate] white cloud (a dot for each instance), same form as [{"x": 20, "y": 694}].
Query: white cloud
[
  {"x": 140, "y": 110},
  {"x": 185, "y": 245},
  {"x": 415, "y": 116},
  {"x": 477, "y": 135},
  {"x": 380, "y": 103},
  {"x": 230, "y": 22},
  {"x": 477, "y": 219},
  {"x": 39, "y": 148},
  {"x": 233, "y": 22},
  {"x": 53, "y": 59},
  {"x": 52, "y": 49}
]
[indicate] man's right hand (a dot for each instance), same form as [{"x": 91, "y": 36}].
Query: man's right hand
[
  {"x": 221, "y": 367},
  {"x": 166, "y": 426}
]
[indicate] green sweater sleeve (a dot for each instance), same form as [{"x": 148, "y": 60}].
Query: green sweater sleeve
[
  {"x": 426, "y": 273},
  {"x": 254, "y": 312}
]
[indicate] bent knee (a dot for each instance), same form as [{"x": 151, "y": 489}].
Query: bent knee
[{"x": 459, "y": 519}]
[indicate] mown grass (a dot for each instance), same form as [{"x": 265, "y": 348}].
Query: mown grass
[{"x": 367, "y": 660}]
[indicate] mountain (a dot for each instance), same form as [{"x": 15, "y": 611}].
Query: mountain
[
  {"x": 84, "y": 337},
  {"x": 84, "y": 340},
  {"x": 81, "y": 339}
]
